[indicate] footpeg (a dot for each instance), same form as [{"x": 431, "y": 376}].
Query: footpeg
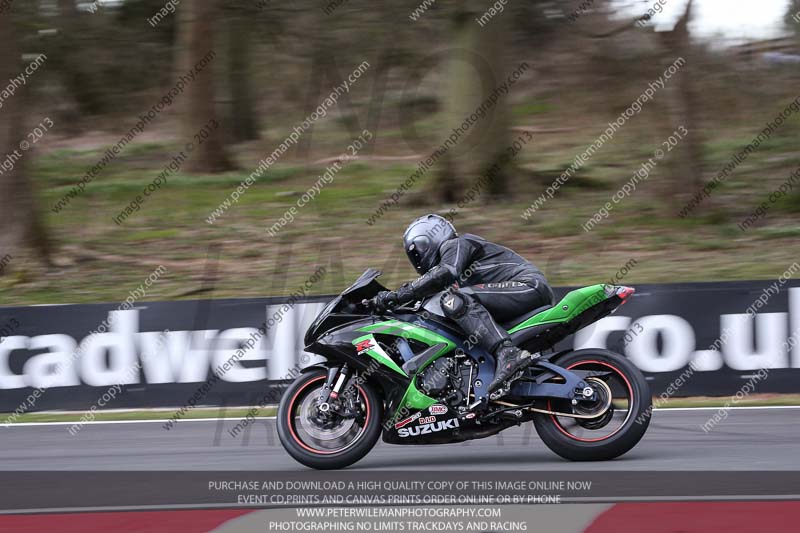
[
  {"x": 499, "y": 393},
  {"x": 477, "y": 403}
]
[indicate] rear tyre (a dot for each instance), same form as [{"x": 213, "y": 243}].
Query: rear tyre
[
  {"x": 325, "y": 440},
  {"x": 614, "y": 431}
]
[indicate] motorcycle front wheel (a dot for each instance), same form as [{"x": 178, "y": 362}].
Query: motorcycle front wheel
[{"x": 326, "y": 440}]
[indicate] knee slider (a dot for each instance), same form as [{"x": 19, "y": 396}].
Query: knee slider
[{"x": 454, "y": 304}]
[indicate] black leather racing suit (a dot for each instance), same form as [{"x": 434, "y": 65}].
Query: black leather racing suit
[{"x": 492, "y": 283}]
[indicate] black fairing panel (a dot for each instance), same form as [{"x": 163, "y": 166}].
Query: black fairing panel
[
  {"x": 347, "y": 303},
  {"x": 337, "y": 346},
  {"x": 331, "y": 322},
  {"x": 447, "y": 429}
]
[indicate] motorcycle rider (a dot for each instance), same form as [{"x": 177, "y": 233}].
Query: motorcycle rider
[{"x": 488, "y": 282}]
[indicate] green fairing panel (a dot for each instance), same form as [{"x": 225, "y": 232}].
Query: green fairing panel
[
  {"x": 410, "y": 331},
  {"x": 572, "y": 305},
  {"x": 414, "y": 400}
]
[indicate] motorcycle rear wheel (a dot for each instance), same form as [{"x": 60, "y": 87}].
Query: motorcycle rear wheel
[{"x": 612, "y": 433}]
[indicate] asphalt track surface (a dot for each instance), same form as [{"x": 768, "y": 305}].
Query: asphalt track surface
[{"x": 749, "y": 439}]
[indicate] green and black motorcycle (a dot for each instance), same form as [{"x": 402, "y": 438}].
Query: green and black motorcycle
[{"x": 412, "y": 375}]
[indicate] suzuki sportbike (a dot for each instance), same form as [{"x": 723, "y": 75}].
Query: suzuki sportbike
[{"x": 412, "y": 376}]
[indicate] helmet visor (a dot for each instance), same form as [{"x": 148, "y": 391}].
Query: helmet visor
[{"x": 419, "y": 252}]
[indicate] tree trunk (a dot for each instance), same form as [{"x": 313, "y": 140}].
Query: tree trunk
[
  {"x": 81, "y": 96},
  {"x": 244, "y": 126},
  {"x": 476, "y": 69},
  {"x": 686, "y": 161},
  {"x": 196, "y": 38},
  {"x": 19, "y": 214}
]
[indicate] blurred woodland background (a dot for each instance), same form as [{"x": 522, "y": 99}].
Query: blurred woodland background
[{"x": 431, "y": 63}]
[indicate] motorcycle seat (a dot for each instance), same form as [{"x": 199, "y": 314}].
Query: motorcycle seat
[{"x": 508, "y": 324}]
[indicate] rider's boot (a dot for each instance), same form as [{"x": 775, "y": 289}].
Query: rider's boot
[{"x": 510, "y": 360}]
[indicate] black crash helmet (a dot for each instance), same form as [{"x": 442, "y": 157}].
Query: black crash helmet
[{"x": 424, "y": 237}]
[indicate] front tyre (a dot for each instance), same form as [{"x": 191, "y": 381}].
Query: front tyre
[
  {"x": 615, "y": 430},
  {"x": 326, "y": 440}
]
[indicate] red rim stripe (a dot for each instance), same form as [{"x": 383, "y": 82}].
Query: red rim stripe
[{"x": 291, "y": 426}]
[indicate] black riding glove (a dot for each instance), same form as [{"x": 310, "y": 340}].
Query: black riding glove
[{"x": 384, "y": 300}]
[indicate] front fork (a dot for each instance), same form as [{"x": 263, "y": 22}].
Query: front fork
[{"x": 334, "y": 385}]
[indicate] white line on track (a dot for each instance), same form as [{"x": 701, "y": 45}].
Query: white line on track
[
  {"x": 164, "y": 421},
  {"x": 97, "y": 422}
]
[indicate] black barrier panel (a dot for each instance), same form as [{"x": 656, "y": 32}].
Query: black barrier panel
[{"x": 690, "y": 339}]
